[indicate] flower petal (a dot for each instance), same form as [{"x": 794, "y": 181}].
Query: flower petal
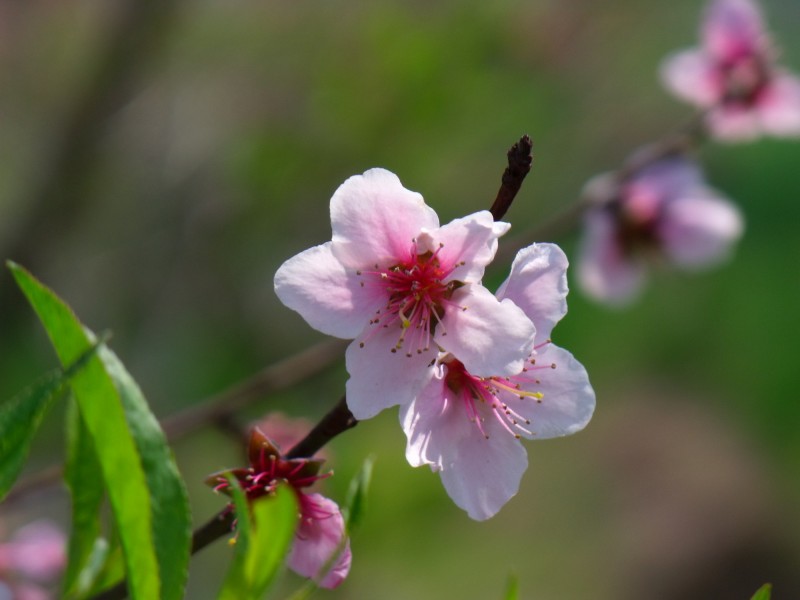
[
  {"x": 732, "y": 28},
  {"x": 489, "y": 336},
  {"x": 567, "y": 401},
  {"x": 320, "y": 535},
  {"x": 700, "y": 228},
  {"x": 316, "y": 285},
  {"x": 689, "y": 74},
  {"x": 380, "y": 378},
  {"x": 375, "y": 219},
  {"x": 479, "y": 474},
  {"x": 538, "y": 285},
  {"x": 471, "y": 240},
  {"x": 732, "y": 123},
  {"x": 604, "y": 272},
  {"x": 779, "y": 107}
]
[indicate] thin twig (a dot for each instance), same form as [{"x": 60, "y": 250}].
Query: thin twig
[{"x": 519, "y": 164}]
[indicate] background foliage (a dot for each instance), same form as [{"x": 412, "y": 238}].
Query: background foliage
[{"x": 158, "y": 164}]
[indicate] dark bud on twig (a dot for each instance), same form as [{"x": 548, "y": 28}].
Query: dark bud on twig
[{"x": 519, "y": 163}]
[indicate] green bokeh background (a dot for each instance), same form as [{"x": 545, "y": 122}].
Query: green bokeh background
[{"x": 206, "y": 156}]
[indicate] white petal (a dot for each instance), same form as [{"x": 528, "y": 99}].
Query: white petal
[
  {"x": 380, "y": 378},
  {"x": 316, "y": 285},
  {"x": 700, "y": 228},
  {"x": 471, "y": 240},
  {"x": 375, "y": 219},
  {"x": 689, "y": 75},
  {"x": 733, "y": 27},
  {"x": 733, "y": 124},
  {"x": 538, "y": 285},
  {"x": 479, "y": 474},
  {"x": 489, "y": 336},
  {"x": 482, "y": 474},
  {"x": 568, "y": 399},
  {"x": 779, "y": 109},
  {"x": 604, "y": 272}
]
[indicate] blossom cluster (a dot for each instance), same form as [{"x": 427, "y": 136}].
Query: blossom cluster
[{"x": 472, "y": 371}]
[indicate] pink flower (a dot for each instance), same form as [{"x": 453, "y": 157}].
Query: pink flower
[
  {"x": 665, "y": 211},
  {"x": 34, "y": 556},
  {"x": 733, "y": 74},
  {"x": 467, "y": 427},
  {"x": 403, "y": 287},
  {"x": 320, "y": 535}
]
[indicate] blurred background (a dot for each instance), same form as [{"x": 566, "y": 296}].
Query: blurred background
[{"x": 160, "y": 160}]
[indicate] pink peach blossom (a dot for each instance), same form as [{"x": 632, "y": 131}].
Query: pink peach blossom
[
  {"x": 467, "y": 427},
  {"x": 403, "y": 287},
  {"x": 735, "y": 77},
  {"x": 320, "y": 536},
  {"x": 665, "y": 212}
]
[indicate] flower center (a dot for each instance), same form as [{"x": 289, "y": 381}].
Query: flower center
[
  {"x": 744, "y": 79},
  {"x": 496, "y": 394},
  {"x": 416, "y": 298}
]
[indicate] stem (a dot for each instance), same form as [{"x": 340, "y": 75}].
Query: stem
[{"x": 519, "y": 164}]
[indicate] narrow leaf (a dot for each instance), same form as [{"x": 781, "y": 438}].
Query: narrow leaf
[
  {"x": 118, "y": 452},
  {"x": 763, "y": 593},
  {"x": 356, "y": 500},
  {"x": 263, "y": 541},
  {"x": 81, "y": 474},
  {"x": 512, "y": 588},
  {"x": 20, "y": 418},
  {"x": 172, "y": 525}
]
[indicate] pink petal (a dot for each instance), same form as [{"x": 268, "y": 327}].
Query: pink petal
[
  {"x": 375, "y": 219},
  {"x": 700, "y": 228},
  {"x": 779, "y": 107},
  {"x": 604, "y": 272},
  {"x": 538, "y": 285},
  {"x": 316, "y": 285},
  {"x": 471, "y": 240},
  {"x": 479, "y": 474},
  {"x": 732, "y": 28},
  {"x": 319, "y": 537},
  {"x": 690, "y": 75},
  {"x": 37, "y": 551},
  {"x": 567, "y": 402},
  {"x": 380, "y": 378},
  {"x": 732, "y": 123},
  {"x": 489, "y": 336}
]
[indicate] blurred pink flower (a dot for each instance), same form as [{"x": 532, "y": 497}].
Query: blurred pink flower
[
  {"x": 734, "y": 75},
  {"x": 403, "y": 287},
  {"x": 665, "y": 211},
  {"x": 468, "y": 427},
  {"x": 34, "y": 556},
  {"x": 320, "y": 535}
]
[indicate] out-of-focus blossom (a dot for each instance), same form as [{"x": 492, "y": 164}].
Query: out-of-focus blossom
[
  {"x": 403, "y": 287},
  {"x": 320, "y": 535},
  {"x": 663, "y": 213},
  {"x": 468, "y": 427},
  {"x": 735, "y": 76},
  {"x": 33, "y": 558}
]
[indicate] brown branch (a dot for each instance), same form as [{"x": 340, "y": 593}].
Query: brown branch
[{"x": 519, "y": 164}]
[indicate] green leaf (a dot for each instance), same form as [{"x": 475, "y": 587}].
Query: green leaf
[
  {"x": 87, "y": 491},
  {"x": 512, "y": 588},
  {"x": 172, "y": 525},
  {"x": 146, "y": 494},
  {"x": 20, "y": 418},
  {"x": 262, "y": 543},
  {"x": 356, "y": 500},
  {"x": 763, "y": 593}
]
